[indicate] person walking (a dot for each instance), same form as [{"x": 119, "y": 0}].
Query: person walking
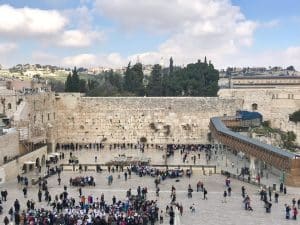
[
  {"x": 224, "y": 197},
  {"x": 5, "y": 193},
  {"x": 80, "y": 191},
  {"x": 161, "y": 217},
  {"x": 172, "y": 215},
  {"x": 276, "y": 196},
  {"x": 6, "y": 220},
  {"x": 59, "y": 180},
  {"x": 243, "y": 191},
  {"x": 270, "y": 193},
  {"x": 11, "y": 213},
  {"x": 25, "y": 192},
  {"x": 17, "y": 218},
  {"x": 157, "y": 191},
  {"x": 204, "y": 194},
  {"x": 287, "y": 211},
  {"x": 40, "y": 195},
  {"x": 229, "y": 191},
  {"x": 295, "y": 213}
]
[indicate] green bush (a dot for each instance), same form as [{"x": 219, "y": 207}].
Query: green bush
[{"x": 295, "y": 117}]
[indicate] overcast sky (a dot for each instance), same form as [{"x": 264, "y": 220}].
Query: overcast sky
[{"x": 112, "y": 32}]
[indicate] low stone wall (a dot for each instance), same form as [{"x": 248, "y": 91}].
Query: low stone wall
[{"x": 10, "y": 170}]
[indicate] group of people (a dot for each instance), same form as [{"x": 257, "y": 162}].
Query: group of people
[
  {"x": 134, "y": 210},
  {"x": 82, "y": 181}
]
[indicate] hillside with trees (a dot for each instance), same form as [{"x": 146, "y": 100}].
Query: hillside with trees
[{"x": 196, "y": 79}]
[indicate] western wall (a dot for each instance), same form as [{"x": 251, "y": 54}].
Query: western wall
[
  {"x": 130, "y": 120},
  {"x": 70, "y": 117}
]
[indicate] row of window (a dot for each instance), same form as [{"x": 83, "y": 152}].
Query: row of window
[
  {"x": 290, "y": 96},
  {"x": 42, "y": 117}
]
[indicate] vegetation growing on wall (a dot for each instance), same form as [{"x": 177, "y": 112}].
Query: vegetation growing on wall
[
  {"x": 288, "y": 140},
  {"x": 295, "y": 117}
]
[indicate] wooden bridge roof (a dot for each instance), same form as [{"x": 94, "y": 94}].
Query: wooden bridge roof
[{"x": 220, "y": 127}]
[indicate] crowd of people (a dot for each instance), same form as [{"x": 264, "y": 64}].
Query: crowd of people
[{"x": 133, "y": 209}]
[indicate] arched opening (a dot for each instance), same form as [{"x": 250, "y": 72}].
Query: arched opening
[
  {"x": 254, "y": 106},
  {"x": 24, "y": 168},
  {"x": 43, "y": 160},
  {"x": 37, "y": 162}
]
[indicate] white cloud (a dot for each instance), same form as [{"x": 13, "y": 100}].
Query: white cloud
[
  {"x": 79, "y": 38},
  {"x": 49, "y": 27},
  {"x": 39, "y": 57},
  {"x": 113, "y": 60},
  {"x": 86, "y": 60},
  {"x": 7, "y": 47},
  {"x": 283, "y": 58},
  {"x": 196, "y": 28},
  {"x": 29, "y": 22}
]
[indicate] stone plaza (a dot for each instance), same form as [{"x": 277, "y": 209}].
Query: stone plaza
[{"x": 211, "y": 211}]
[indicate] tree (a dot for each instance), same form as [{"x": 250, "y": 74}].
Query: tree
[
  {"x": 57, "y": 86},
  {"x": 171, "y": 67},
  {"x": 133, "y": 79},
  {"x": 155, "y": 87},
  {"x": 72, "y": 83},
  {"x": 82, "y": 86},
  {"x": 68, "y": 83},
  {"x": 127, "y": 78},
  {"x": 75, "y": 81},
  {"x": 290, "y": 68}
]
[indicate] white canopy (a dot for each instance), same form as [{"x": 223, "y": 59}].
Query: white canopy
[{"x": 29, "y": 162}]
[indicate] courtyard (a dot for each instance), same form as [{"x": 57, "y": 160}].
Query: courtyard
[{"x": 212, "y": 211}]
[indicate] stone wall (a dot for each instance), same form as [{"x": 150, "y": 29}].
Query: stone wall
[
  {"x": 127, "y": 120},
  {"x": 275, "y": 104},
  {"x": 9, "y": 145},
  {"x": 38, "y": 116},
  {"x": 10, "y": 170}
]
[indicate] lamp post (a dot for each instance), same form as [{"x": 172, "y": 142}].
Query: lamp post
[{"x": 226, "y": 151}]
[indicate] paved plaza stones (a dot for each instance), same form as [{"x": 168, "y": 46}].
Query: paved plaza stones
[{"x": 210, "y": 212}]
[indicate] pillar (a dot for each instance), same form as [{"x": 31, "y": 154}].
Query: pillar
[{"x": 252, "y": 166}]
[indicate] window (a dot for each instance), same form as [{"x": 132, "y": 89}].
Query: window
[
  {"x": 42, "y": 118},
  {"x": 34, "y": 119},
  {"x": 254, "y": 106},
  {"x": 48, "y": 116},
  {"x": 9, "y": 105}
]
